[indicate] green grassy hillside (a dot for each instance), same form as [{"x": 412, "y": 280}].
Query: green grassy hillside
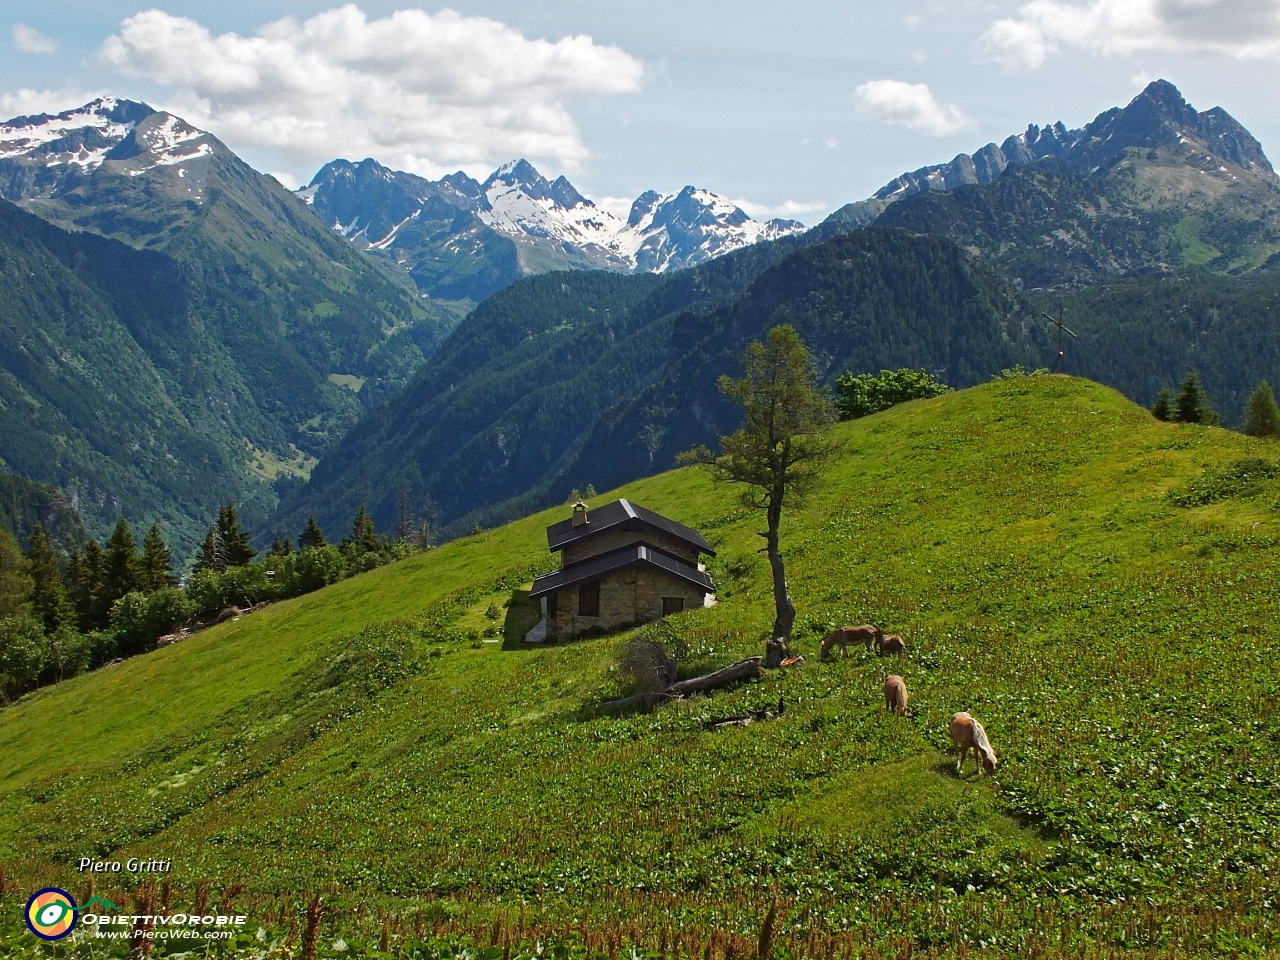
[{"x": 1096, "y": 587}]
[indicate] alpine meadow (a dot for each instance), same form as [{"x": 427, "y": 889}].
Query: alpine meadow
[{"x": 405, "y": 555}]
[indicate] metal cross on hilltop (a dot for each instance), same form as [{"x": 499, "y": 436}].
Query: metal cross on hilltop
[{"x": 1057, "y": 367}]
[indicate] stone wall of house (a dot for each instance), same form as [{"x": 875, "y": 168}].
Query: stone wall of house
[
  {"x": 613, "y": 539},
  {"x": 633, "y": 595}
]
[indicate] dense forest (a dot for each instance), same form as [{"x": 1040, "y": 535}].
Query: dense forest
[
  {"x": 1143, "y": 334},
  {"x": 569, "y": 379}
]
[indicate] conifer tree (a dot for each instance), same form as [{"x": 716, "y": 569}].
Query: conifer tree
[
  {"x": 156, "y": 568},
  {"x": 363, "y": 534},
  {"x": 279, "y": 549},
  {"x": 15, "y": 578},
  {"x": 1162, "y": 409},
  {"x": 1262, "y": 416},
  {"x": 120, "y": 567},
  {"x": 1193, "y": 403},
  {"x": 49, "y": 601},
  {"x": 775, "y": 454},
  {"x": 235, "y": 542},
  {"x": 84, "y": 582},
  {"x": 213, "y": 555},
  {"x": 311, "y": 537}
]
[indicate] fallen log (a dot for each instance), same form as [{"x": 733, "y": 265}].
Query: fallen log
[
  {"x": 748, "y": 718},
  {"x": 742, "y": 670}
]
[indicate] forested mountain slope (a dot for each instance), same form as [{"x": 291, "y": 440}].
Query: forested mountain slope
[
  {"x": 24, "y": 503},
  {"x": 1147, "y": 189},
  {"x": 509, "y": 398},
  {"x": 571, "y": 379},
  {"x": 874, "y": 299},
  {"x": 236, "y": 340},
  {"x": 1142, "y": 334},
  {"x": 113, "y": 390}
]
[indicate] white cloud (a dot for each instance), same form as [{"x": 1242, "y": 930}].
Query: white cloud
[
  {"x": 422, "y": 92},
  {"x": 29, "y": 40},
  {"x": 619, "y": 206},
  {"x": 287, "y": 180},
  {"x": 1242, "y": 29},
  {"x": 791, "y": 209},
  {"x": 910, "y": 105},
  {"x": 27, "y": 101}
]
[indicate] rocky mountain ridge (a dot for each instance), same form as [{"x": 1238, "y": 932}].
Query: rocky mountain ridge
[
  {"x": 523, "y": 223},
  {"x": 1156, "y": 118}
]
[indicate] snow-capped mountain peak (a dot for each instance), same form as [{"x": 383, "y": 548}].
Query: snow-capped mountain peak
[
  {"x": 109, "y": 118},
  {"x": 132, "y": 136},
  {"x": 436, "y": 230},
  {"x": 660, "y": 233}
]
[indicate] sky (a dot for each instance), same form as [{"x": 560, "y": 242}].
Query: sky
[{"x": 789, "y": 109}]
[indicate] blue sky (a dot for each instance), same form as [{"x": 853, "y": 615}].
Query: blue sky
[{"x": 790, "y": 108}]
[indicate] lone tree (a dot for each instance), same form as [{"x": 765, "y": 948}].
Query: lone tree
[
  {"x": 776, "y": 452},
  {"x": 1162, "y": 409},
  {"x": 1193, "y": 404},
  {"x": 1262, "y": 416}
]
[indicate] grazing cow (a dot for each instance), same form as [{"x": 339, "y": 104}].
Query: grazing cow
[
  {"x": 967, "y": 733},
  {"x": 895, "y": 695},
  {"x": 892, "y": 644},
  {"x": 845, "y": 637}
]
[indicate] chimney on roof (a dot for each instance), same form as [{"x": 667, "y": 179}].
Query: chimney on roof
[{"x": 580, "y": 514}]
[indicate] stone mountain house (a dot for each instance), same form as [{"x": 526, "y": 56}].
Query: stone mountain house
[{"x": 619, "y": 564}]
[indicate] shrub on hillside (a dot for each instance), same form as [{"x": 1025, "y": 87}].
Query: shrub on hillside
[
  {"x": 864, "y": 394},
  {"x": 22, "y": 654},
  {"x": 139, "y": 619},
  {"x": 320, "y": 566},
  {"x": 210, "y": 590}
]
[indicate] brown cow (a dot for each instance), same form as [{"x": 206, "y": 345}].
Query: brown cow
[
  {"x": 845, "y": 637},
  {"x": 892, "y": 644},
  {"x": 895, "y": 695},
  {"x": 966, "y": 734}
]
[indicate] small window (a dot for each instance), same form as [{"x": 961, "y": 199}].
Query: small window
[
  {"x": 551, "y": 607},
  {"x": 589, "y": 600},
  {"x": 672, "y": 605}
]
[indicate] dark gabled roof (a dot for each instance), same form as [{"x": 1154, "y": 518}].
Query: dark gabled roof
[
  {"x": 605, "y": 563},
  {"x": 625, "y": 515}
]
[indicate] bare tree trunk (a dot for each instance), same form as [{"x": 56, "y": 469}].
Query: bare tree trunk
[{"x": 785, "y": 611}]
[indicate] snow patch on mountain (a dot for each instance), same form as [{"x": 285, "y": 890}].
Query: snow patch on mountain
[
  {"x": 23, "y": 135},
  {"x": 662, "y": 232}
]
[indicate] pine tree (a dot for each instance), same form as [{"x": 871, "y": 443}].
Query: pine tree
[
  {"x": 156, "y": 568},
  {"x": 1193, "y": 403},
  {"x": 15, "y": 578},
  {"x": 363, "y": 534},
  {"x": 120, "y": 567},
  {"x": 279, "y": 549},
  {"x": 49, "y": 601},
  {"x": 404, "y": 517},
  {"x": 235, "y": 542},
  {"x": 213, "y": 556},
  {"x": 311, "y": 537},
  {"x": 84, "y": 582},
  {"x": 1262, "y": 416},
  {"x": 1162, "y": 409}
]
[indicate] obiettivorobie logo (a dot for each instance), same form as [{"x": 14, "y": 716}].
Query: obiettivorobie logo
[{"x": 51, "y": 913}]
